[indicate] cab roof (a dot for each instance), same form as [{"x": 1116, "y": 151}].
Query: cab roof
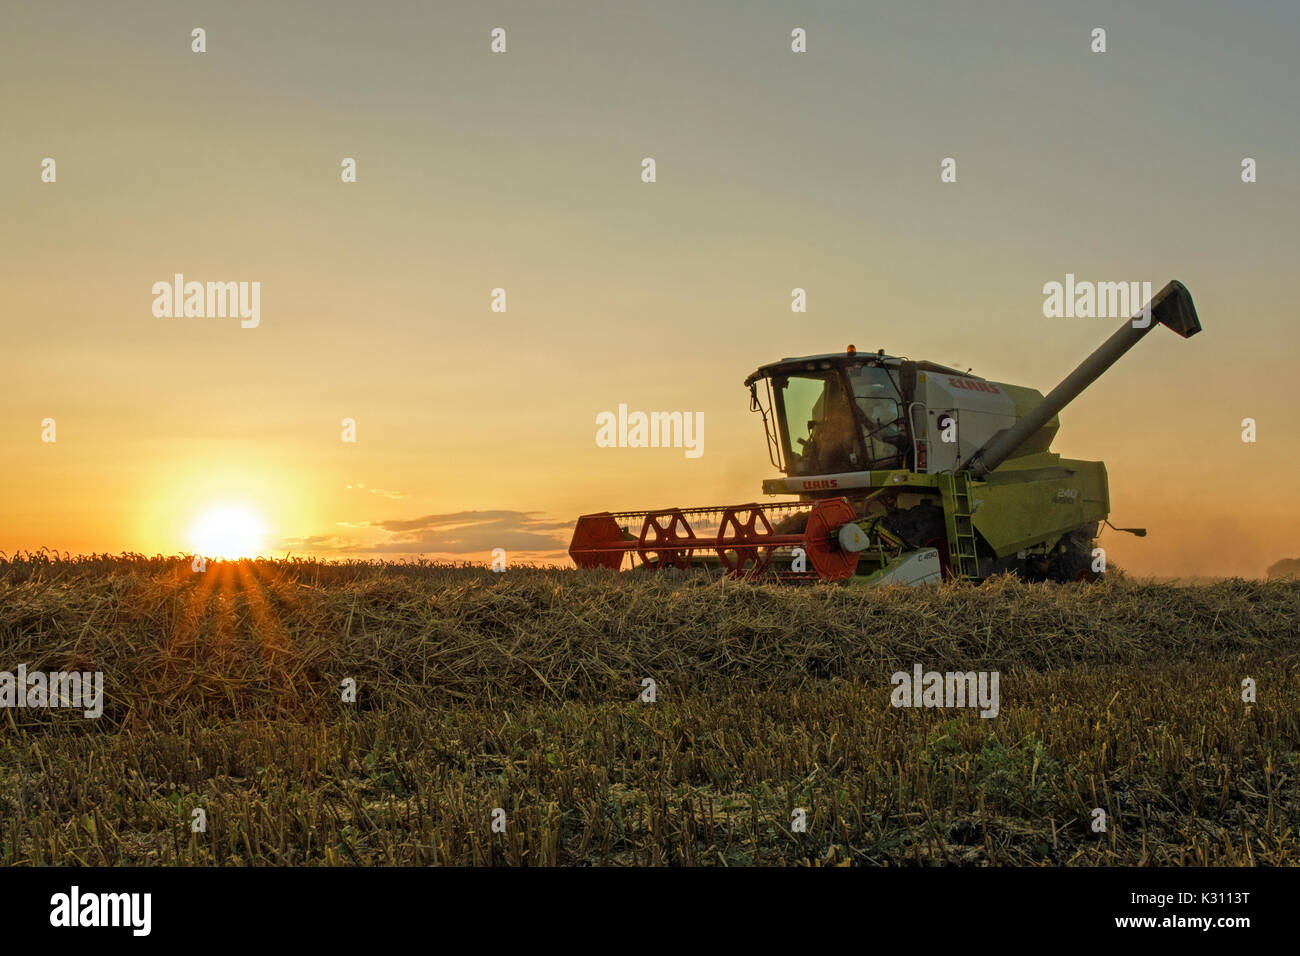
[{"x": 845, "y": 359}]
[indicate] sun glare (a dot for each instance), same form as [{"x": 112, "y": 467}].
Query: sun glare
[{"x": 227, "y": 532}]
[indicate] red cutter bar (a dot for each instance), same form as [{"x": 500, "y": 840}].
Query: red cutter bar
[{"x": 745, "y": 540}]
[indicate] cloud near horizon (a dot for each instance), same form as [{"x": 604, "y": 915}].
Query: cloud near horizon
[{"x": 461, "y": 532}]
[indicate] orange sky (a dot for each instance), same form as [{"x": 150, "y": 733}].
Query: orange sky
[{"x": 522, "y": 171}]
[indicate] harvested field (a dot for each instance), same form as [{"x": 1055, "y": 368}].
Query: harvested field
[{"x": 521, "y": 691}]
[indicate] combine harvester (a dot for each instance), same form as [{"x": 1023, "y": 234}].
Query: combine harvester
[{"x": 905, "y": 472}]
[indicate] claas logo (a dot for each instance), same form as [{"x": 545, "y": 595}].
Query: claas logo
[{"x": 972, "y": 386}]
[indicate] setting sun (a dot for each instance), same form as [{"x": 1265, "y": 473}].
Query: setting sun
[{"x": 228, "y": 532}]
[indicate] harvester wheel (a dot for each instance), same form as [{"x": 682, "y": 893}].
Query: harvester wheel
[
  {"x": 1071, "y": 559},
  {"x": 921, "y": 526},
  {"x": 918, "y": 526}
]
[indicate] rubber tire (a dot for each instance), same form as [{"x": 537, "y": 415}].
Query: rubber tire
[{"x": 1071, "y": 559}]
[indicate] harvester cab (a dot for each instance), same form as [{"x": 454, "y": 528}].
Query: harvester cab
[
  {"x": 833, "y": 413},
  {"x": 897, "y": 471}
]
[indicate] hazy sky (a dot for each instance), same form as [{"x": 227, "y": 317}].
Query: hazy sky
[{"x": 522, "y": 171}]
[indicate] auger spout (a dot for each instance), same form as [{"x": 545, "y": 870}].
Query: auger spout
[{"x": 1171, "y": 307}]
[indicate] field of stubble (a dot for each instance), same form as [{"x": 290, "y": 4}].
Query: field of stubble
[{"x": 522, "y": 691}]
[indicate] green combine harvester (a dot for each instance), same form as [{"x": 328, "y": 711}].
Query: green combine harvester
[{"x": 897, "y": 472}]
